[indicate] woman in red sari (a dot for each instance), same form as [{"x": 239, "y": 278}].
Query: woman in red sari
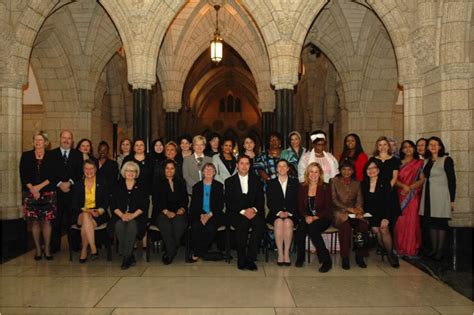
[{"x": 409, "y": 182}]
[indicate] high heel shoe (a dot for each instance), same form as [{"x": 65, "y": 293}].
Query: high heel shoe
[
  {"x": 38, "y": 257},
  {"x": 48, "y": 257},
  {"x": 82, "y": 260}
]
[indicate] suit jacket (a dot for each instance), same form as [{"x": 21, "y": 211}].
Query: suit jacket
[
  {"x": 323, "y": 201},
  {"x": 378, "y": 203},
  {"x": 216, "y": 200},
  {"x": 222, "y": 173},
  {"x": 145, "y": 180},
  {"x": 28, "y": 171},
  {"x": 191, "y": 171},
  {"x": 136, "y": 200},
  {"x": 72, "y": 170},
  {"x": 276, "y": 202},
  {"x": 236, "y": 201},
  {"x": 165, "y": 198},
  {"x": 79, "y": 197},
  {"x": 345, "y": 195},
  {"x": 109, "y": 172}
]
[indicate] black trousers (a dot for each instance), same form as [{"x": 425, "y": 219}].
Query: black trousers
[
  {"x": 63, "y": 219},
  {"x": 314, "y": 230},
  {"x": 171, "y": 231},
  {"x": 242, "y": 227},
  {"x": 203, "y": 235}
]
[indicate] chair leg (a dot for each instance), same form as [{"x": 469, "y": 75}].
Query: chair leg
[
  {"x": 266, "y": 245},
  {"x": 148, "y": 246},
  {"x": 69, "y": 244},
  {"x": 109, "y": 250}
]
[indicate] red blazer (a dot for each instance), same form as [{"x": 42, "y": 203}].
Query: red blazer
[{"x": 323, "y": 201}]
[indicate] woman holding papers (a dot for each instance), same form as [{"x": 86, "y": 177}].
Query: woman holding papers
[{"x": 348, "y": 212}]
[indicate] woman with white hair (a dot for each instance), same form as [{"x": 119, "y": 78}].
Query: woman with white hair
[
  {"x": 327, "y": 161},
  {"x": 38, "y": 191},
  {"x": 128, "y": 206}
]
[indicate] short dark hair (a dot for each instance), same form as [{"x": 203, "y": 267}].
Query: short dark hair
[
  {"x": 104, "y": 143},
  {"x": 185, "y": 136},
  {"x": 243, "y": 156},
  {"x": 274, "y": 134},
  {"x": 228, "y": 139},
  {"x": 370, "y": 161}
]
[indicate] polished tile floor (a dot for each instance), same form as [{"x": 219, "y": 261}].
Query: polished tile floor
[{"x": 101, "y": 287}]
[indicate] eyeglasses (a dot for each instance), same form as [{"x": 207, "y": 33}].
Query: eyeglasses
[
  {"x": 132, "y": 171},
  {"x": 372, "y": 168}
]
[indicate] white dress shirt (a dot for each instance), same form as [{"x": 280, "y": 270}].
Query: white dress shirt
[{"x": 244, "y": 186}]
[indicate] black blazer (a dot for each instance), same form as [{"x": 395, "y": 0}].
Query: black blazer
[
  {"x": 136, "y": 200},
  {"x": 216, "y": 200},
  {"x": 28, "y": 171},
  {"x": 379, "y": 202},
  {"x": 164, "y": 198},
  {"x": 109, "y": 172},
  {"x": 236, "y": 201},
  {"x": 277, "y": 202},
  {"x": 145, "y": 179},
  {"x": 79, "y": 197},
  {"x": 72, "y": 169}
]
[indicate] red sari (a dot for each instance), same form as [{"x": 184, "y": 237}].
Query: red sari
[{"x": 407, "y": 228}]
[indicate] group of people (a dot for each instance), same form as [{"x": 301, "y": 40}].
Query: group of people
[{"x": 210, "y": 183}]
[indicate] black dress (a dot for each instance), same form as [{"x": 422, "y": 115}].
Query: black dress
[{"x": 386, "y": 174}]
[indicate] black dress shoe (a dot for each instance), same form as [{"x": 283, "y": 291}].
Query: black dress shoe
[
  {"x": 346, "y": 265},
  {"x": 133, "y": 261},
  {"x": 241, "y": 265},
  {"x": 327, "y": 265},
  {"x": 82, "y": 260},
  {"x": 125, "y": 263},
  {"x": 393, "y": 260},
  {"x": 299, "y": 263},
  {"x": 50, "y": 257},
  {"x": 166, "y": 260},
  {"x": 360, "y": 262},
  {"x": 251, "y": 266}
]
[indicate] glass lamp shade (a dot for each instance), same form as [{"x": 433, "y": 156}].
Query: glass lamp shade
[{"x": 216, "y": 49}]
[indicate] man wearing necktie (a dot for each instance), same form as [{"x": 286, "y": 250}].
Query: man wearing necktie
[
  {"x": 192, "y": 164},
  {"x": 68, "y": 167}
]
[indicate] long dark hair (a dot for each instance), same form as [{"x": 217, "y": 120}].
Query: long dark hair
[
  {"x": 416, "y": 155},
  {"x": 358, "y": 148},
  {"x": 442, "y": 150}
]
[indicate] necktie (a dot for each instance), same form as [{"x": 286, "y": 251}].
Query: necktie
[{"x": 65, "y": 158}]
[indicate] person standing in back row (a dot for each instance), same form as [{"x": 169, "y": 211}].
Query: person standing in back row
[{"x": 68, "y": 167}]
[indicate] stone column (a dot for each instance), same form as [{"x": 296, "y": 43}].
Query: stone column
[
  {"x": 141, "y": 115},
  {"x": 268, "y": 125},
  {"x": 284, "y": 112},
  {"x": 171, "y": 126},
  {"x": 10, "y": 151}
]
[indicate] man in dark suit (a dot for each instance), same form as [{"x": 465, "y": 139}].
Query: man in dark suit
[
  {"x": 245, "y": 207},
  {"x": 68, "y": 167}
]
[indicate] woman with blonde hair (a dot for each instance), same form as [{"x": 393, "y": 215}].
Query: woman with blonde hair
[{"x": 314, "y": 204}]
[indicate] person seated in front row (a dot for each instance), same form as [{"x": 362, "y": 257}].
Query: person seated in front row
[
  {"x": 348, "y": 214},
  {"x": 89, "y": 205},
  {"x": 206, "y": 211},
  {"x": 171, "y": 199},
  {"x": 245, "y": 208},
  {"x": 193, "y": 163},
  {"x": 314, "y": 204},
  {"x": 377, "y": 194},
  {"x": 282, "y": 196},
  {"x": 128, "y": 204}
]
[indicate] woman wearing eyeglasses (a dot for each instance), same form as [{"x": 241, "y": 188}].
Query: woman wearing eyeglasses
[{"x": 128, "y": 204}]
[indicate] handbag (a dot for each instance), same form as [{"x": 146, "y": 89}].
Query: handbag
[{"x": 364, "y": 240}]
